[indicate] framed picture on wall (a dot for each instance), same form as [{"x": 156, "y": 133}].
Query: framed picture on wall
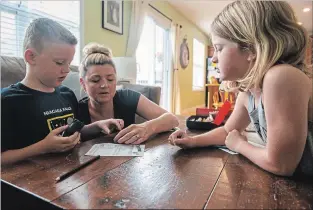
[{"x": 112, "y": 15}]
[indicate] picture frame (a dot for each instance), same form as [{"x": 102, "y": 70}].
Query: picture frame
[
  {"x": 112, "y": 15},
  {"x": 184, "y": 54}
]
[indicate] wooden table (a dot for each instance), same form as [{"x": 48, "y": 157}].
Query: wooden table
[{"x": 165, "y": 177}]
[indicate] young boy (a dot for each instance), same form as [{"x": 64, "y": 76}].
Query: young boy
[{"x": 37, "y": 110}]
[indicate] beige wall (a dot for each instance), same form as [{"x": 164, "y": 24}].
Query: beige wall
[{"x": 95, "y": 33}]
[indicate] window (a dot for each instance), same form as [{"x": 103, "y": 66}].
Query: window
[
  {"x": 15, "y": 16},
  {"x": 153, "y": 58},
  {"x": 198, "y": 73},
  {"x": 153, "y": 55}
]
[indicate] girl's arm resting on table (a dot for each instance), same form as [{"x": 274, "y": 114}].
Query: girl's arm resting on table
[
  {"x": 286, "y": 97},
  {"x": 239, "y": 120}
]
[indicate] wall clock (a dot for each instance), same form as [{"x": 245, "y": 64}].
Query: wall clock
[{"x": 184, "y": 54}]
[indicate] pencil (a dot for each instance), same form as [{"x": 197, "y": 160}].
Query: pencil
[{"x": 72, "y": 171}]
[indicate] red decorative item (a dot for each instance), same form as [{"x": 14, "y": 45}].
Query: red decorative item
[{"x": 222, "y": 113}]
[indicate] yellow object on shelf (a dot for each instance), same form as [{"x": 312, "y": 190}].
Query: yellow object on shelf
[
  {"x": 215, "y": 98},
  {"x": 212, "y": 85},
  {"x": 213, "y": 80},
  {"x": 225, "y": 96}
]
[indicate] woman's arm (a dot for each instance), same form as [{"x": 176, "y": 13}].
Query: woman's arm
[
  {"x": 90, "y": 131},
  {"x": 286, "y": 96},
  {"x": 159, "y": 119},
  {"x": 102, "y": 126}
]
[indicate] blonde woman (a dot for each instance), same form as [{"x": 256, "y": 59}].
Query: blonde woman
[
  {"x": 98, "y": 79},
  {"x": 260, "y": 49}
]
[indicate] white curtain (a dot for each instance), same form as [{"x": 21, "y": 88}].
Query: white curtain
[
  {"x": 175, "y": 34},
  {"x": 139, "y": 10}
]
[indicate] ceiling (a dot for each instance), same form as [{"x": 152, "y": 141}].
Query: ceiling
[{"x": 204, "y": 11}]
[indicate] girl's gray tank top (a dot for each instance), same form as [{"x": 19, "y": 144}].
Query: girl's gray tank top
[{"x": 257, "y": 117}]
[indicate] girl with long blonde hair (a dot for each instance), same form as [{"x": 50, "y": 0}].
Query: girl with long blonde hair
[{"x": 260, "y": 51}]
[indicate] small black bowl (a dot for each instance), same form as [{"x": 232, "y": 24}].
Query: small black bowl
[{"x": 194, "y": 125}]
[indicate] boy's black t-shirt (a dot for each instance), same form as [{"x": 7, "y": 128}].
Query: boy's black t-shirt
[
  {"x": 125, "y": 104},
  {"x": 28, "y": 116}
]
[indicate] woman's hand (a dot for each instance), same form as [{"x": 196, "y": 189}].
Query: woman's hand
[
  {"x": 181, "y": 139},
  {"x": 133, "y": 134},
  {"x": 234, "y": 139},
  {"x": 108, "y": 126}
]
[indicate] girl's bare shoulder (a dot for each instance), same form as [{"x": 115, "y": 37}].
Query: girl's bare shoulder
[{"x": 284, "y": 74}]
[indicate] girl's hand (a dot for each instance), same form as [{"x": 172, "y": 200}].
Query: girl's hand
[
  {"x": 181, "y": 139},
  {"x": 234, "y": 139}
]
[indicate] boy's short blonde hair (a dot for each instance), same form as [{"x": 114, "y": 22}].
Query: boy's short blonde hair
[
  {"x": 43, "y": 30},
  {"x": 269, "y": 30}
]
